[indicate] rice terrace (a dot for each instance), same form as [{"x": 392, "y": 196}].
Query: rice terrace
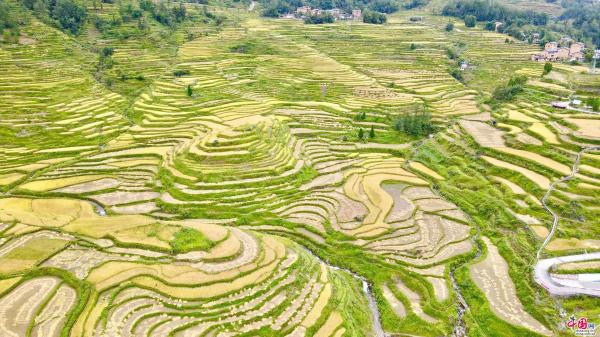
[{"x": 318, "y": 168}]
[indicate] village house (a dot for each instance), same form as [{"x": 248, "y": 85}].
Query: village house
[
  {"x": 553, "y": 53},
  {"x": 304, "y": 10},
  {"x": 560, "y": 105},
  {"x": 336, "y": 13}
]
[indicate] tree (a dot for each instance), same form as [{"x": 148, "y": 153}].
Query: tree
[
  {"x": 361, "y": 133},
  {"x": 547, "y": 68},
  {"x": 413, "y": 46},
  {"x": 490, "y": 25},
  {"x": 449, "y": 27},
  {"x": 372, "y": 132},
  {"x": 189, "y": 91},
  {"x": 470, "y": 21}
]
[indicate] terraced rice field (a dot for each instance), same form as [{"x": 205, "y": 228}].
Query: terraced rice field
[{"x": 235, "y": 199}]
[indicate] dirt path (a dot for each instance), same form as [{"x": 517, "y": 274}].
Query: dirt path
[{"x": 555, "y": 217}]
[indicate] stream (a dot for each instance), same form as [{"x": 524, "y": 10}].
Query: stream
[
  {"x": 366, "y": 287},
  {"x": 460, "y": 328}
]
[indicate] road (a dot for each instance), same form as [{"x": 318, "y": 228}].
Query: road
[
  {"x": 587, "y": 111},
  {"x": 568, "y": 285}
]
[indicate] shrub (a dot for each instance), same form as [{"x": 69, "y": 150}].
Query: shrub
[
  {"x": 189, "y": 91},
  {"x": 594, "y": 102},
  {"x": 509, "y": 91},
  {"x": 457, "y": 74},
  {"x": 107, "y": 51},
  {"x": 490, "y": 25},
  {"x": 181, "y": 72},
  {"x": 449, "y": 26},
  {"x": 188, "y": 239},
  {"x": 470, "y": 20},
  {"x": 453, "y": 53},
  {"x": 547, "y": 68}
]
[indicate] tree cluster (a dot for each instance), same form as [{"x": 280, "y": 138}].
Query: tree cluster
[
  {"x": 374, "y": 17},
  {"x": 163, "y": 14},
  {"x": 66, "y": 14},
  {"x": 319, "y": 19},
  {"x": 9, "y": 23},
  {"x": 417, "y": 123},
  {"x": 583, "y": 15},
  {"x": 493, "y": 11},
  {"x": 579, "y": 20},
  {"x": 384, "y": 6}
]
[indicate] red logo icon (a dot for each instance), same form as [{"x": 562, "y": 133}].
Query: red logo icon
[{"x": 582, "y": 323}]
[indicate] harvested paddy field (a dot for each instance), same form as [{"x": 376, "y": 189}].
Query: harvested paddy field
[{"x": 235, "y": 175}]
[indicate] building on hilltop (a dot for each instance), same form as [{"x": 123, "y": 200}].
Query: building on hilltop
[{"x": 553, "y": 53}]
